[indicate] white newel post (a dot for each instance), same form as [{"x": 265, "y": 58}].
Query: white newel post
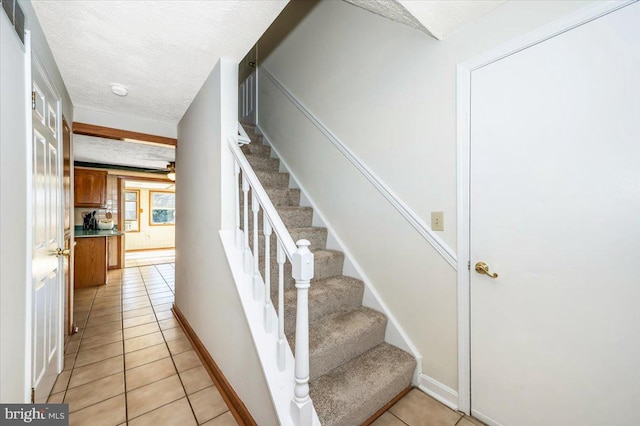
[
  {"x": 247, "y": 252},
  {"x": 255, "y": 207},
  {"x": 282, "y": 343},
  {"x": 236, "y": 173},
  {"x": 302, "y": 263},
  {"x": 267, "y": 272}
]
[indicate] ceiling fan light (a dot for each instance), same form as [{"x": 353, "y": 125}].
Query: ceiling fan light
[{"x": 171, "y": 167}]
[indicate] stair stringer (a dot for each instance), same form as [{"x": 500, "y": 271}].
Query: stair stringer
[{"x": 394, "y": 333}]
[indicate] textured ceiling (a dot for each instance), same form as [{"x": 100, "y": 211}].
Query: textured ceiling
[
  {"x": 161, "y": 50},
  {"x": 89, "y": 149},
  {"x": 438, "y": 18}
]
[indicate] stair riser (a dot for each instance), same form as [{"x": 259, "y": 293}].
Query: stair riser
[
  {"x": 316, "y": 236},
  {"x": 326, "y": 265}
]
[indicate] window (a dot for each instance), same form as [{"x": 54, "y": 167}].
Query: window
[
  {"x": 132, "y": 210},
  {"x": 162, "y": 208}
]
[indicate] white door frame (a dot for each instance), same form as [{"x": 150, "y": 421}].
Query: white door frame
[{"x": 463, "y": 84}]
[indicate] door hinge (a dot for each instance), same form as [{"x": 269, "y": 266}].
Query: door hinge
[
  {"x": 468, "y": 265},
  {"x": 33, "y": 395},
  {"x": 33, "y": 101}
]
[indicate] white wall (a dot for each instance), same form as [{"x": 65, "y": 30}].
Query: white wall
[
  {"x": 205, "y": 291},
  {"x": 15, "y": 169},
  {"x": 388, "y": 92}
]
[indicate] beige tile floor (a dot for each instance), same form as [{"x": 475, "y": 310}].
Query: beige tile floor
[
  {"x": 149, "y": 257},
  {"x": 419, "y": 409},
  {"x": 130, "y": 363}
]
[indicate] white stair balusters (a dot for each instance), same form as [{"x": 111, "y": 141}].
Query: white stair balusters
[
  {"x": 236, "y": 173},
  {"x": 267, "y": 272},
  {"x": 302, "y": 263},
  {"x": 282, "y": 342},
  {"x": 301, "y": 406},
  {"x": 247, "y": 251},
  {"x": 255, "y": 207}
]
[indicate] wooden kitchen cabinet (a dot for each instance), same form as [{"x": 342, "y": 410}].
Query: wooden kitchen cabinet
[
  {"x": 90, "y": 262},
  {"x": 90, "y": 188}
]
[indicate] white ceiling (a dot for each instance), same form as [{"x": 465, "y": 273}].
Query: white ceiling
[
  {"x": 162, "y": 50},
  {"x": 439, "y": 18}
]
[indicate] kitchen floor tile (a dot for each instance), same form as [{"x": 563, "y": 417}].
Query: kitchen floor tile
[
  {"x": 388, "y": 419},
  {"x": 136, "y": 321},
  {"x": 61, "y": 382},
  {"x": 137, "y": 312},
  {"x": 164, "y": 315},
  {"x": 417, "y": 408},
  {"x": 56, "y": 398},
  {"x": 169, "y": 323},
  {"x": 146, "y": 355},
  {"x": 177, "y": 413},
  {"x": 109, "y": 412},
  {"x": 225, "y": 419},
  {"x": 195, "y": 379},
  {"x": 186, "y": 361},
  {"x": 141, "y": 330},
  {"x": 207, "y": 404},
  {"x": 149, "y": 373},
  {"x": 98, "y": 354},
  {"x": 142, "y": 342},
  {"x": 94, "y": 392},
  {"x": 95, "y": 321},
  {"x": 179, "y": 345},
  {"x": 173, "y": 334},
  {"x": 154, "y": 395},
  {"x": 97, "y": 370},
  {"x": 92, "y": 341}
]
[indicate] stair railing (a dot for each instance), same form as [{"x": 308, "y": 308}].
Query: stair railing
[{"x": 302, "y": 262}]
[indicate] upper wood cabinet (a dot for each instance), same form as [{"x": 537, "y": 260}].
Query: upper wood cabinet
[{"x": 90, "y": 188}]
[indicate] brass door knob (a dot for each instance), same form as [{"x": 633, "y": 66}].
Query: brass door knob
[
  {"x": 483, "y": 268},
  {"x": 61, "y": 252}
]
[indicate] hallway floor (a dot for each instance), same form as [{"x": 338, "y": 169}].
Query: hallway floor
[
  {"x": 149, "y": 257},
  {"x": 130, "y": 363}
]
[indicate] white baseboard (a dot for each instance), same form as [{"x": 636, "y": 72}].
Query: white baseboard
[{"x": 438, "y": 391}]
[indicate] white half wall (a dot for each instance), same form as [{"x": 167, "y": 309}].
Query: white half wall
[
  {"x": 389, "y": 93},
  {"x": 205, "y": 290}
]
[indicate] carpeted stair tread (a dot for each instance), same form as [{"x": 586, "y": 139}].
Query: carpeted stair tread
[
  {"x": 262, "y": 163},
  {"x": 272, "y": 179},
  {"x": 256, "y": 149},
  {"x": 284, "y": 196},
  {"x": 338, "y": 338},
  {"x": 326, "y": 297},
  {"x": 353, "y": 392}
]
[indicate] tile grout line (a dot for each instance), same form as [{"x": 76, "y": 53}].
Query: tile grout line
[{"x": 124, "y": 361}]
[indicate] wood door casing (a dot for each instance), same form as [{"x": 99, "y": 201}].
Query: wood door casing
[{"x": 67, "y": 214}]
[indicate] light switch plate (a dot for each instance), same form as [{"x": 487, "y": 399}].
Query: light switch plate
[{"x": 437, "y": 221}]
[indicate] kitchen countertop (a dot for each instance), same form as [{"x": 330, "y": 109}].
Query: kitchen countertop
[{"x": 82, "y": 233}]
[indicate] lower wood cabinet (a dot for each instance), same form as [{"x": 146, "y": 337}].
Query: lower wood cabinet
[{"x": 90, "y": 262}]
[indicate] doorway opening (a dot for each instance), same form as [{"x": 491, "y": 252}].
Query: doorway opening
[{"x": 149, "y": 222}]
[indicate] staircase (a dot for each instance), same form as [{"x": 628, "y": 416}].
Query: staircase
[{"x": 353, "y": 372}]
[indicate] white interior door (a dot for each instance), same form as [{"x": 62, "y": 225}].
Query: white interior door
[
  {"x": 555, "y": 212},
  {"x": 47, "y": 236}
]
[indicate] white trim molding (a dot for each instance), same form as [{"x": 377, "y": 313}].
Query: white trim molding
[
  {"x": 464, "y": 71},
  {"x": 438, "y": 391},
  {"x": 410, "y": 216}
]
